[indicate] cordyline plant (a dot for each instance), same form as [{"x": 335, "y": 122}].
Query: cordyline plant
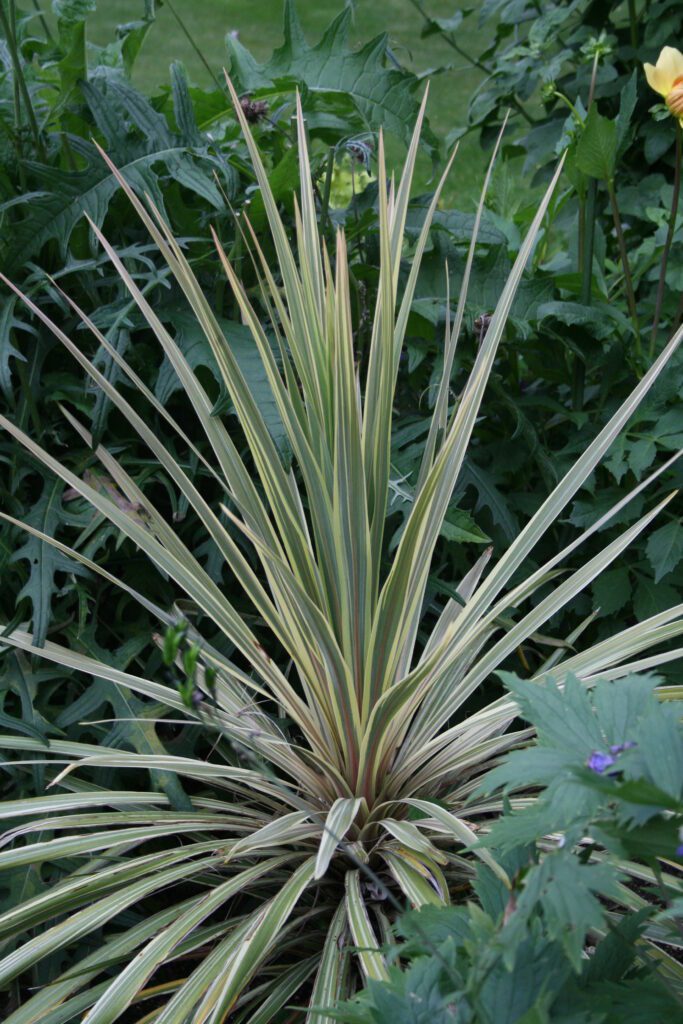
[{"x": 270, "y": 886}]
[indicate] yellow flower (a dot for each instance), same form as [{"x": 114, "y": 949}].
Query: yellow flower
[{"x": 666, "y": 78}]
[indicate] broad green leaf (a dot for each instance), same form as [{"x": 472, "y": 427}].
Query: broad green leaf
[
  {"x": 651, "y": 598},
  {"x": 627, "y": 105},
  {"x": 489, "y": 496},
  {"x": 599, "y": 320},
  {"x": 434, "y": 26},
  {"x": 381, "y": 95},
  {"x": 597, "y": 147},
  {"x": 569, "y": 903},
  {"x": 665, "y": 548},
  {"x": 612, "y": 590},
  {"x": 183, "y": 110},
  {"x": 111, "y": 369},
  {"x": 641, "y": 455},
  {"x": 283, "y": 180}
]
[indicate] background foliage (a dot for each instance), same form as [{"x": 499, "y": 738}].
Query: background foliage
[{"x": 551, "y": 950}]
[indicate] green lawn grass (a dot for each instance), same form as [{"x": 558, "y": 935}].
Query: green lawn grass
[{"x": 259, "y": 23}]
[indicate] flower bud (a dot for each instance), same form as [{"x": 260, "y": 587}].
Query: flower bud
[{"x": 674, "y": 99}]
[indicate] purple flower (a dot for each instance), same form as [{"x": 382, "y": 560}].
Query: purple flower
[
  {"x": 679, "y": 850},
  {"x": 598, "y": 761},
  {"x": 619, "y": 748}
]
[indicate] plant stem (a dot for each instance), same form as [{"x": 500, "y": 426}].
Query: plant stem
[
  {"x": 18, "y": 141},
  {"x": 628, "y": 280},
  {"x": 450, "y": 41},
  {"x": 68, "y": 152},
  {"x": 586, "y": 246},
  {"x": 669, "y": 240},
  {"x": 679, "y": 315},
  {"x": 564, "y": 99},
  {"x": 589, "y": 241},
  {"x": 28, "y": 398},
  {"x": 594, "y": 78},
  {"x": 19, "y": 79},
  {"x": 586, "y": 263},
  {"x": 327, "y": 189},
  {"x": 186, "y": 32},
  {"x": 41, "y": 18},
  {"x": 633, "y": 23}
]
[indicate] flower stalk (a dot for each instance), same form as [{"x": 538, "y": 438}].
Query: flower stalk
[
  {"x": 587, "y": 244},
  {"x": 623, "y": 253},
  {"x": 669, "y": 240},
  {"x": 20, "y": 87},
  {"x": 633, "y": 23}
]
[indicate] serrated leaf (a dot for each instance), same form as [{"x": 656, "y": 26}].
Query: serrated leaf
[
  {"x": 616, "y": 463},
  {"x": 44, "y": 560},
  {"x": 651, "y": 598},
  {"x": 197, "y": 351},
  {"x": 587, "y": 511},
  {"x": 611, "y": 591},
  {"x": 597, "y": 147},
  {"x": 456, "y": 224},
  {"x": 629, "y": 96},
  {"x": 282, "y": 181},
  {"x": 182, "y": 105},
  {"x": 438, "y": 25},
  {"x": 641, "y": 455},
  {"x": 563, "y": 717},
  {"x": 73, "y": 10},
  {"x": 488, "y": 496},
  {"x": 567, "y": 892},
  {"x": 119, "y": 339},
  {"x": 140, "y": 144},
  {"x": 132, "y": 726},
  {"x": 459, "y": 526},
  {"x": 381, "y": 95},
  {"x": 660, "y": 746},
  {"x": 664, "y": 548},
  {"x": 599, "y": 320},
  {"x": 525, "y": 994},
  {"x": 9, "y": 322}
]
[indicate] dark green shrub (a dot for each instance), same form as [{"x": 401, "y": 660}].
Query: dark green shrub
[{"x": 553, "y": 948}]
